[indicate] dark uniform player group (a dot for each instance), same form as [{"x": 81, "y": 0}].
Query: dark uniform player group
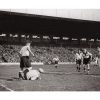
[{"x": 83, "y": 57}]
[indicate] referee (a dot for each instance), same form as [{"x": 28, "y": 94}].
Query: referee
[{"x": 24, "y": 54}]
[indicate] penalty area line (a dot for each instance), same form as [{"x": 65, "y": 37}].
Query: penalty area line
[
  {"x": 4, "y": 86},
  {"x": 61, "y": 73}
]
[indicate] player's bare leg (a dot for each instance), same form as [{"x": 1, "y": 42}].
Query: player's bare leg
[
  {"x": 88, "y": 68},
  {"x": 21, "y": 75},
  {"x": 84, "y": 68},
  {"x": 78, "y": 67}
]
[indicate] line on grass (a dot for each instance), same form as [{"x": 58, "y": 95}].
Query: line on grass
[
  {"x": 6, "y": 87},
  {"x": 95, "y": 75},
  {"x": 71, "y": 73},
  {"x": 61, "y": 73}
]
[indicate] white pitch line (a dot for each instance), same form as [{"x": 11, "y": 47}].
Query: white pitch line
[
  {"x": 61, "y": 73},
  {"x": 94, "y": 76},
  {"x": 70, "y": 73},
  {"x": 6, "y": 87}
]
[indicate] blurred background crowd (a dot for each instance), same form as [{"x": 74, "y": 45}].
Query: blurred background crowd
[{"x": 9, "y": 53}]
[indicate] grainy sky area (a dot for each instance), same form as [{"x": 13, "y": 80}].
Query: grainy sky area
[{"x": 86, "y": 14}]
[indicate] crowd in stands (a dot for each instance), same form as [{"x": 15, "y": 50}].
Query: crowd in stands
[{"x": 9, "y": 53}]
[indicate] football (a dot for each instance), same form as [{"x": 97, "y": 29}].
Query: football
[{"x": 41, "y": 70}]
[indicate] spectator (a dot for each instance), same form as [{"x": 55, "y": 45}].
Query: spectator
[{"x": 8, "y": 53}]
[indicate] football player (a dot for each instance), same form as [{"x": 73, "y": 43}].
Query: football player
[
  {"x": 87, "y": 58},
  {"x": 78, "y": 59}
]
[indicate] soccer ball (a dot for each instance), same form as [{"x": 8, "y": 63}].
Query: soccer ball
[
  {"x": 41, "y": 70},
  {"x": 33, "y": 75}
]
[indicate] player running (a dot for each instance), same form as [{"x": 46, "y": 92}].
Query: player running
[
  {"x": 78, "y": 59},
  {"x": 98, "y": 56},
  {"x": 24, "y": 58},
  {"x": 87, "y": 57},
  {"x": 55, "y": 61}
]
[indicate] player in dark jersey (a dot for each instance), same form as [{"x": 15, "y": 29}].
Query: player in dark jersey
[
  {"x": 98, "y": 56},
  {"x": 87, "y": 57}
]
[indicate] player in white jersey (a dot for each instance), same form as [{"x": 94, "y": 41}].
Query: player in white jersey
[
  {"x": 24, "y": 57},
  {"x": 56, "y": 60},
  {"x": 98, "y": 56},
  {"x": 87, "y": 57},
  {"x": 78, "y": 59}
]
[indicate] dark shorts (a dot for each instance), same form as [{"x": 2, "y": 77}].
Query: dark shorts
[
  {"x": 56, "y": 62},
  {"x": 25, "y": 62},
  {"x": 25, "y": 73},
  {"x": 79, "y": 61},
  {"x": 86, "y": 61}
]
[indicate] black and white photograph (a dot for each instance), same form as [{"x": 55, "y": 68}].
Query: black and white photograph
[{"x": 49, "y": 50}]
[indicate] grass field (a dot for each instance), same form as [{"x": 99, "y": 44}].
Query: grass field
[{"x": 64, "y": 78}]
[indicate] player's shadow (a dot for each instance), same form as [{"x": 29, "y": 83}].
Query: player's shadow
[
  {"x": 10, "y": 79},
  {"x": 16, "y": 78},
  {"x": 7, "y": 79}
]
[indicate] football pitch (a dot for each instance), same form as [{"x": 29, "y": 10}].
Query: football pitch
[{"x": 64, "y": 78}]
